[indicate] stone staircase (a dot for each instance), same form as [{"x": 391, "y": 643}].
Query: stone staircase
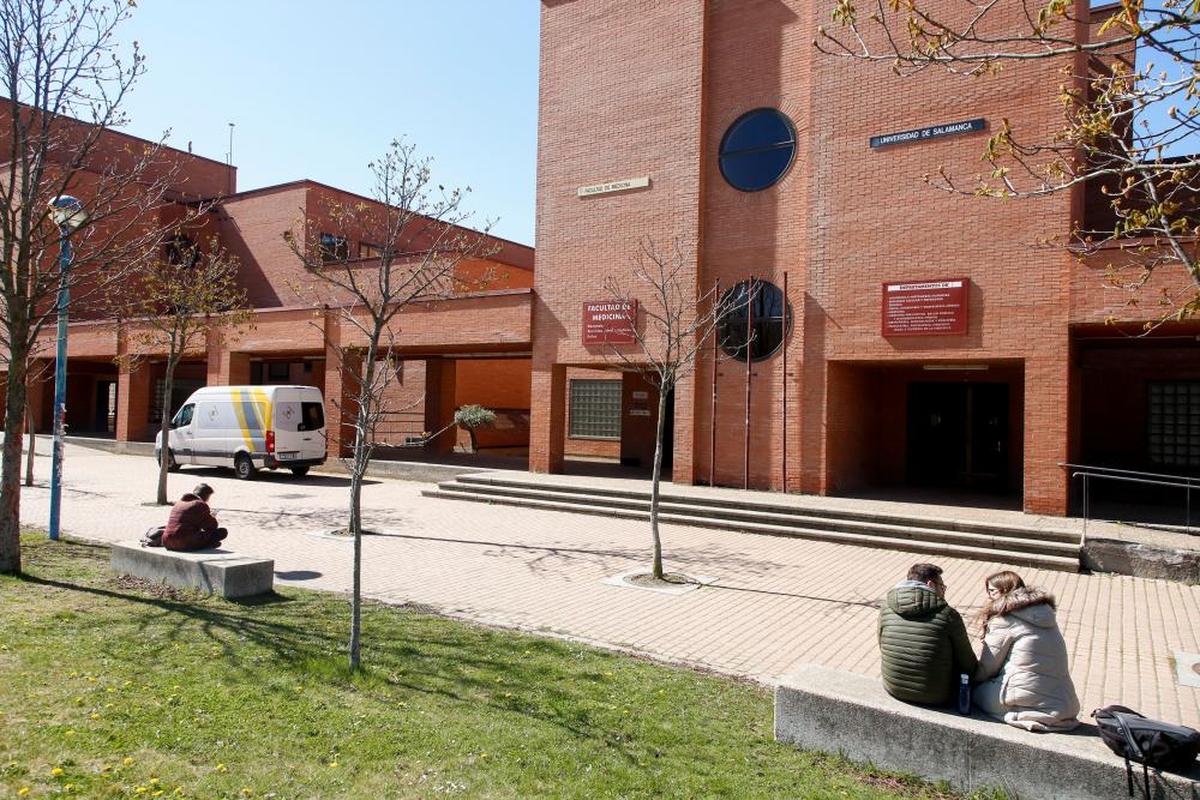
[{"x": 1056, "y": 549}]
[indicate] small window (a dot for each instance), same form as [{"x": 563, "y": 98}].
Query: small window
[
  {"x": 184, "y": 417},
  {"x": 1174, "y": 423},
  {"x": 595, "y": 409},
  {"x": 368, "y": 250},
  {"x": 180, "y": 251},
  {"x": 756, "y": 322},
  {"x": 314, "y": 416},
  {"x": 334, "y": 248},
  {"x": 757, "y": 150},
  {"x": 278, "y": 372}
]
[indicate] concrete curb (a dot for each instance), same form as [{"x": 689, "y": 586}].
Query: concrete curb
[
  {"x": 818, "y": 708},
  {"x": 1141, "y": 560}
]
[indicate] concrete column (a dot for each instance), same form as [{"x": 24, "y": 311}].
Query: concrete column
[
  {"x": 547, "y": 417},
  {"x": 440, "y": 376}
]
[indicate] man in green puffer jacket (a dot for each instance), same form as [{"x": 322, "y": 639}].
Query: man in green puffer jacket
[{"x": 922, "y": 640}]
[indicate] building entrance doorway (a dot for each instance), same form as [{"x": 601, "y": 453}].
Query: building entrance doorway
[{"x": 958, "y": 435}]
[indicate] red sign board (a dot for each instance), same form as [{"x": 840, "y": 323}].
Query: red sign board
[
  {"x": 925, "y": 308},
  {"x": 609, "y": 322}
]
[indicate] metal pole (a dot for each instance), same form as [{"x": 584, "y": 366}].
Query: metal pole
[
  {"x": 783, "y": 324},
  {"x": 60, "y": 383},
  {"x": 749, "y": 362},
  {"x": 1083, "y": 537},
  {"x": 712, "y": 412}
]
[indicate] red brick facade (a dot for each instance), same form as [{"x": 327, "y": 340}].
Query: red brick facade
[{"x": 632, "y": 89}]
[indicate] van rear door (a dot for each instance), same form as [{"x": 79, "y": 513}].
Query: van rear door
[{"x": 299, "y": 424}]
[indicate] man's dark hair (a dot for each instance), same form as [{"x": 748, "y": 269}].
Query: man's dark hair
[
  {"x": 204, "y": 491},
  {"x": 925, "y": 573}
]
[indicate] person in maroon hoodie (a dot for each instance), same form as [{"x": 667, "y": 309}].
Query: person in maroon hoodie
[{"x": 192, "y": 525}]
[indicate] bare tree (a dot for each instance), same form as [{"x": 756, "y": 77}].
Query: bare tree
[
  {"x": 171, "y": 308},
  {"x": 417, "y": 245},
  {"x": 677, "y": 320},
  {"x": 1130, "y": 95},
  {"x": 66, "y": 78}
]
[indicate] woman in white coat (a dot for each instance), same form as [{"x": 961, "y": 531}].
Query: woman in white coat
[{"x": 1023, "y": 666}]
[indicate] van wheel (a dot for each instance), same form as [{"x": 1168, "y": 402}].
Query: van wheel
[
  {"x": 299, "y": 472},
  {"x": 172, "y": 464},
  {"x": 243, "y": 467}
]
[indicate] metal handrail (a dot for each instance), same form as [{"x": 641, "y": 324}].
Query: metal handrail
[{"x": 1086, "y": 472}]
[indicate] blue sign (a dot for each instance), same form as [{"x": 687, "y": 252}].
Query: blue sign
[{"x": 932, "y": 132}]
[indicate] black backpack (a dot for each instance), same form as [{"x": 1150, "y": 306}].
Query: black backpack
[
  {"x": 153, "y": 537},
  {"x": 1149, "y": 742}
]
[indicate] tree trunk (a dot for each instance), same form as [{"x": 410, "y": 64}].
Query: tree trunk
[
  {"x": 164, "y": 428},
  {"x": 361, "y": 460},
  {"x": 655, "y": 477},
  {"x": 10, "y": 464},
  {"x": 32, "y": 441}
]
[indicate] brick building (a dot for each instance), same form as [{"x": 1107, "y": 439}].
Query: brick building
[
  {"x": 473, "y": 347},
  {"x": 720, "y": 125}
]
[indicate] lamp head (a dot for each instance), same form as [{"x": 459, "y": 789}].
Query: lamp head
[{"x": 67, "y": 212}]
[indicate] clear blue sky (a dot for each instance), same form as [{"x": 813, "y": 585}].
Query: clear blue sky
[{"x": 318, "y": 88}]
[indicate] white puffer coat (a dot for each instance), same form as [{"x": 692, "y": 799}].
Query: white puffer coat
[{"x": 1025, "y": 649}]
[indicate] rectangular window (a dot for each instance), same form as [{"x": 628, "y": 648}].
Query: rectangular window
[
  {"x": 596, "y": 409},
  {"x": 278, "y": 371},
  {"x": 334, "y": 248},
  {"x": 1174, "y": 423},
  {"x": 368, "y": 250}
]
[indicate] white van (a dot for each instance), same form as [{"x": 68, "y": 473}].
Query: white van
[{"x": 248, "y": 427}]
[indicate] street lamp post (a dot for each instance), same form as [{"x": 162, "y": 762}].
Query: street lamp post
[{"x": 68, "y": 214}]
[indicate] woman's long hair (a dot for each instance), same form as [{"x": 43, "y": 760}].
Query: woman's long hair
[{"x": 1006, "y": 582}]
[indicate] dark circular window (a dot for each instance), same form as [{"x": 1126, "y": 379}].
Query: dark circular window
[
  {"x": 758, "y": 149},
  {"x": 756, "y": 321}
]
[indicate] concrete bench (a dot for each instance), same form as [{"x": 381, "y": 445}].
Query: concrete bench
[
  {"x": 219, "y": 571},
  {"x": 822, "y": 709}
]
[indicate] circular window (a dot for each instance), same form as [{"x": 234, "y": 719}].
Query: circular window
[
  {"x": 758, "y": 149},
  {"x": 756, "y": 322}
]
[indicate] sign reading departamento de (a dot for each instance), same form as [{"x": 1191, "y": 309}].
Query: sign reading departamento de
[
  {"x": 609, "y": 322},
  {"x": 926, "y": 308},
  {"x": 931, "y": 132}
]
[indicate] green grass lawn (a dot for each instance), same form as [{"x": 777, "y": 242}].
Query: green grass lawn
[{"x": 116, "y": 688}]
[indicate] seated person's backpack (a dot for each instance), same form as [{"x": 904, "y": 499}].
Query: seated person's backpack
[
  {"x": 153, "y": 536},
  {"x": 1149, "y": 742}
]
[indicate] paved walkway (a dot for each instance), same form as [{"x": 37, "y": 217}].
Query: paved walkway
[{"x": 776, "y": 602}]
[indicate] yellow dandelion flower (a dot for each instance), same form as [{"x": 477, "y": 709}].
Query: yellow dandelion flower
[
  {"x": 69, "y": 733},
  {"x": 221, "y": 768},
  {"x": 246, "y": 791},
  {"x": 94, "y": 715},
  {"x": 333, "y": 765},
  {"x": 70, "y": 787},
  {"x": 23, "y": 791},
  {"x": 56, "y": 771},
  {"x": 154, "y": 781},
  {"x": 127, "y": 761},
  {"x": 141, "y": 790}
]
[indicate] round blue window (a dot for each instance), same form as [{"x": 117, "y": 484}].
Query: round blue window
[{"x": 758, "y": 149}]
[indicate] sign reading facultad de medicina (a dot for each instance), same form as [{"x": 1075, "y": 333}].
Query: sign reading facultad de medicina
[
  {"x": 932, "y": 132},
  {"x": 609, "y": 322},
  {"x": 926, "y": 308},
  {"x": 614, "y": 186}
]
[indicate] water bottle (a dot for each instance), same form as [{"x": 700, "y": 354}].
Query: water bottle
[{"x": 964, "y": 693}]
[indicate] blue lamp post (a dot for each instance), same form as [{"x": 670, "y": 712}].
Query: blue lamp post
[{"x": 67, "y": 212}]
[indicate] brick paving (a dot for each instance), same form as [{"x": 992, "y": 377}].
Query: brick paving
[{"x": 776, "y": 602}]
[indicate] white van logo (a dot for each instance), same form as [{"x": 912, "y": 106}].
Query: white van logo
[{"x": 288, "y": 411}]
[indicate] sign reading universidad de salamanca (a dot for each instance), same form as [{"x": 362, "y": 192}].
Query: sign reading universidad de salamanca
[
  {"x": 932, "y": 132},
  {"x": 609, "y": 321}
]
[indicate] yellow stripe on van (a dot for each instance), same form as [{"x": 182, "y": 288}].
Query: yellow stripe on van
[
  {"x": 262, "y": 404},
  {"x": 239, "y": 411}
]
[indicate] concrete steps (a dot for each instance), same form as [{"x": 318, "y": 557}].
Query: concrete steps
[{"x": 1032, "y": 547}]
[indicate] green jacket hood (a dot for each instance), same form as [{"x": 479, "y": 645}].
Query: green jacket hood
[{"x": 911, "y": 599}]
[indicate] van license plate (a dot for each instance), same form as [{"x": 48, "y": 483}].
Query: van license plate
[{"x": 286, "y": 456}]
